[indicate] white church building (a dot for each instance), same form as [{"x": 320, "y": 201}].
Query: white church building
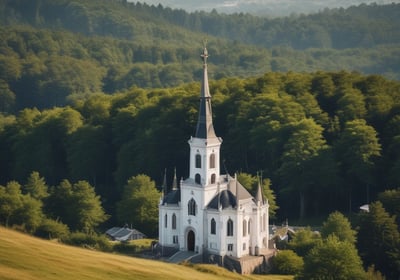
[{"x": 212, "y": 213}]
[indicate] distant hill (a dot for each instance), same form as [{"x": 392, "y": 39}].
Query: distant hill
[
  {"x": 271, "y": 8},
  {"x": 23, "y": 257},
  {"x": 53, "y": 49}
]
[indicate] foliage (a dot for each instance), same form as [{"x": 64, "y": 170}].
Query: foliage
[
  {"x": 92, "y": 241},
  {"x": 390, "y": 200},
  {"x": 287, "y": 262},
  {"x": 76, "y": 205},
  {"x": 52, "y": 229},
  {"x": 337, "y": 224},
  {"x": 333, "y": 259},
  {"x": 303, "y": 241},
  {"x": 139, "y": 204},
  {"x": 378, "y": 240},
  {"x": 284, "y": 125},
  {"x": 36, "y": 186}
]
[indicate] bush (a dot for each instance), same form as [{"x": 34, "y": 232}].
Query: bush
[
  {"x": 52, "y": 229},
  {"x": 127, "y": 248},
  {"x": 287, "y": 262},
  {"x": 91, "y": 241}
]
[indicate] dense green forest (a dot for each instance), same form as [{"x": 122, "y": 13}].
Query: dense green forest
[{"x": 325, "y": 141}]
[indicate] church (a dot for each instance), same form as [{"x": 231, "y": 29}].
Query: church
[{"x": 211, "y": 214}]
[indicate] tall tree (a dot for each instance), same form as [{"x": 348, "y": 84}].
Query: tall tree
[
  {"x": 390, "y": 200},
  {"x": 333, "y": 259},
  {"x": 36, "y": 186},
  {"x": 10, "y": 201},
  {"x": 306, "y": 143},
  {"x": 357, "y": 149},
  {"x": 378, "y": 240},
  {"x": 337, "y": 224},
  {"x": 76, "y": 205},
  {"x": 139, "y": 204}
]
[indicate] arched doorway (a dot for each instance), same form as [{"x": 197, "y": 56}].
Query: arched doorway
[{"x": 190, "y": 241}]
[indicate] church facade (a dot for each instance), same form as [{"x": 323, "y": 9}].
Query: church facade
[{"x": 212, "y": 213}]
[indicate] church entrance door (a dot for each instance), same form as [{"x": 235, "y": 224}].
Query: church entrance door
[{"x": 190, "y": 241}]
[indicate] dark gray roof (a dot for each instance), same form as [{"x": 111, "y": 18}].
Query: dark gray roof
[
  {"x": 173, "y": 197},
  {"x": 124, "y": 233},
  {"x": 226, "y": 199}
]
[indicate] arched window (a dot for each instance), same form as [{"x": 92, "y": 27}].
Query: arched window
[
  {"x": 197, "y": 178},
  {"x": 198, "y": 161},
  {"x": 229, "y": 228},
  {"x": 192, "y": 207},
  {"x": 249, "y": 227},
  {"x": 212, "y": 161},
  {"x": 213, "y": 226},
  {"x": 244, "y": 227},
  {"x": 213, "y": 178},
  {"x": 166, "y": 220},
  {"x": 173, "y": 221}
]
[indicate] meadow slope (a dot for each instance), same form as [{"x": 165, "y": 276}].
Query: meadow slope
[{"x": 30, "y": 258}]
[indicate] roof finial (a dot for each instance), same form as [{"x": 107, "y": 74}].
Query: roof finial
[
  {"x": 259, "y": 195},
  {"x": 204, "y": 55},
  {"x": 174, "y": 182}
]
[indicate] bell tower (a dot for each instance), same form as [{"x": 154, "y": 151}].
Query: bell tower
[{"x": 205, "y": 145}]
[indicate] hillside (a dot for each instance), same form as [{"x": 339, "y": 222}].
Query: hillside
[
  {"x": 271, "y": 8},
  {"x": 54, "y": 51},
  {"x": 29, "y": 258}
]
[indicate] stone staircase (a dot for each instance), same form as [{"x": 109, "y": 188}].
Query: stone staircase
[{"x": 181, "y": 256}]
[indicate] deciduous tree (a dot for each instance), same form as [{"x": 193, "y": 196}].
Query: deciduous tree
[{"x": 139, "y": 204}]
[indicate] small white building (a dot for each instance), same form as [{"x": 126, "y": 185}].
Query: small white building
[{"x": 212, "y": 213}]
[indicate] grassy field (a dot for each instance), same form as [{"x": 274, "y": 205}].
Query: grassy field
[{"x": 28, "y": 258}]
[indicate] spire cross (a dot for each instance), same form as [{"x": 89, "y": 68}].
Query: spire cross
[{"x": 204, "y": 55}]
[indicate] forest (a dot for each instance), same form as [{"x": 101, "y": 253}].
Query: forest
[{"x": 98, "y": 98}]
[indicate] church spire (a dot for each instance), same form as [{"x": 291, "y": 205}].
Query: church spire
[
  {"x": 175, "y": 182},
  {"x": 205, "y": 128},
  {"x": 259, "y": 195}
]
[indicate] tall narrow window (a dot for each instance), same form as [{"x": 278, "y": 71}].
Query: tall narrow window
[
  {"x": 213, "y": 226},
  {"x": 166, "y": 220},
  {"x": 229, "y": 229},
  {"x": 192, "y": 207},
  {"x": 212, "y": 161},
  {"x": 244, "y": 227},
  {"x": 197, "y": 178},
  {"x": 249, "y": 227},
  {"x": 173, "y": 221},
  {"x": 198, "y": 161},
  {"x": 213, "y": 177}
]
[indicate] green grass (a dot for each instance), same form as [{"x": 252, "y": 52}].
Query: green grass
[{"x": 29, "y": 258}]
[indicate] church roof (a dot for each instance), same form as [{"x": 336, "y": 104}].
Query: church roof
[
  {"x": 230, "y": 197},
  {"x": 226, "y": 199},
  {"x": 205, "y": 128},
  {"x": 173, "y": 197}
]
